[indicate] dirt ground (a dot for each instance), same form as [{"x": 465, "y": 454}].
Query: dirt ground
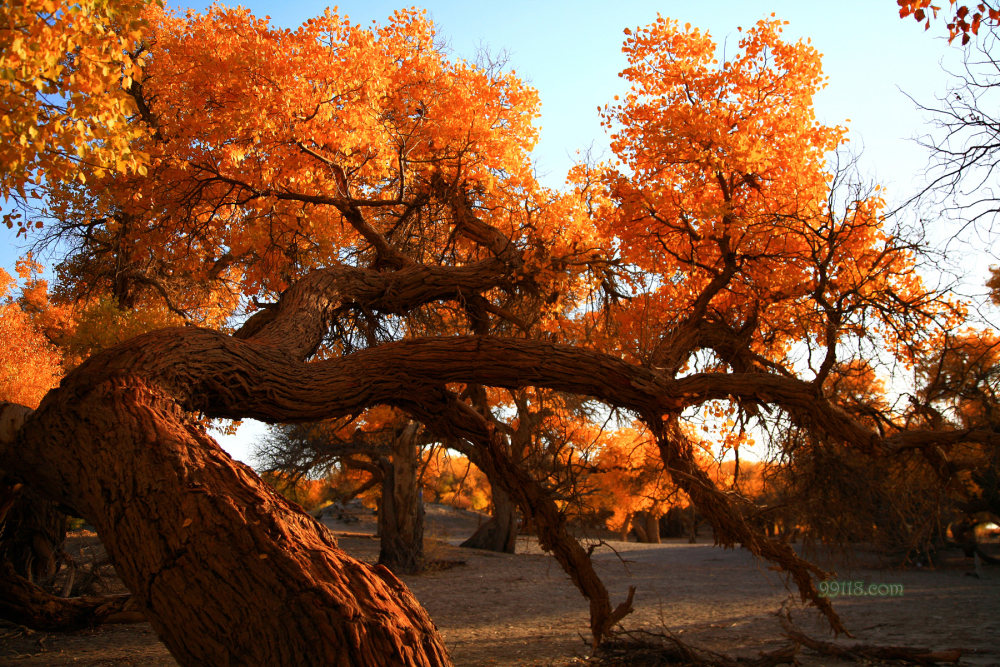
[{"x": 520, "y": 609}]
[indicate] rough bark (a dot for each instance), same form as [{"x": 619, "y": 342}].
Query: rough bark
[
  {"x": 500, "y": 532},
  {"x": 208, "y": 550},
  {"x": 227, "y": 377},
  {"x": 401, "y": 509}
]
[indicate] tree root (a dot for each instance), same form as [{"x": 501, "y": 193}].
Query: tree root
[{"x": 28, "y": 604}]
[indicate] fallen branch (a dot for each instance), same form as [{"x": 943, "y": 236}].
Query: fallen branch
[
  {"x": 642, "y": 648},
  {"x": 857, "y": 652}
]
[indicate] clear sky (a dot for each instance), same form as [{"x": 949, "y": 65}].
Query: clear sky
[{"x": 571, "y": 52}]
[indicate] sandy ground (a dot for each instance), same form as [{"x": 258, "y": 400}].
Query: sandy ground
[{"x": 520, "y": 609}]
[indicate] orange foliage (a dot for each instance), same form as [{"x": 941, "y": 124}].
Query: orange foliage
[
  {"x": 309, "y": 493},
  {"x": 59, "y": 117},
  {"x": 451, "y": 479},
  {"x": 339, "y": 112},
  {"x": 29, "y": 364},
  {"x": 963, "y": 379},
  {"x": 273, "y": 152},
  {"x": 721, "y": 201},
  {"x": 856, "y": 386},
  {"x": 81, "y": 327},
  {"x": 630, "y": 478}
]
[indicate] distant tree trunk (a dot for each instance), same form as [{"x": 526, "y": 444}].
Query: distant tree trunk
[
  {"x": 652, "y": 527},
  {"x": 401, "y": 509},
  {"x": 639, "y": 527},
  {"x": 32, "y": 531},
  {"x": 675, "y": 524},
  {"x": 626, "y": 527},
  {"x": 646, "y": 525},
  {"x": 500, "y": 532}
]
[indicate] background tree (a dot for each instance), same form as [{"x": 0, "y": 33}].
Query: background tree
[
  {"x": 633, "y": 484},
  {"x": 29, "y": 364},
  {"x": 449, "y": 478},
  {"x": 387, "y": 446},
  {"x": 29, "y": 367}
]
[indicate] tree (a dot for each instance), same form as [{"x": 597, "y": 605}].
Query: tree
[
  {"x": 376, "y": 208},
  {"x": 632, "y": 483},
  {"x": 450, "y": 478},
  {"x": 386, "y": 445}
]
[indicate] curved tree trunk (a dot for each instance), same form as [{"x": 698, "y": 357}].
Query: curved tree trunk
[
  {"x": 500, "y": 532},
  {"x": 401, "y": 509},
  {"x": 210, "y": 552},
  {"x": 226, "y": 570}
]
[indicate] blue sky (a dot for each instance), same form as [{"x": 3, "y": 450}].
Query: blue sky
[{"x": 571, "y": 52}]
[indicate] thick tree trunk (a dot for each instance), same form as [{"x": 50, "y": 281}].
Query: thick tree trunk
[
  {"x": 500, "y": 532},
  {"x": 226, "y": 570},
  {"x": 211, "y": 553},
  {"x": 401, "y": 510},
  {"x": 653, "y": 527}
]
